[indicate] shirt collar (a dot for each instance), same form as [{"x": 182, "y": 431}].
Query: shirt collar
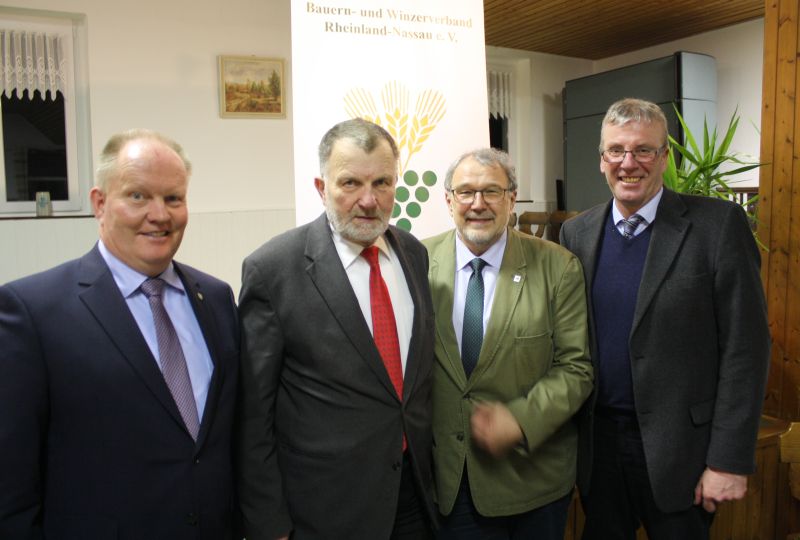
[
  {"x": 128, "y": 280},
  {"x": 350, "y": 251},
  {"x": 492, "y": 256},
  {"x": 648, "y": 211}
]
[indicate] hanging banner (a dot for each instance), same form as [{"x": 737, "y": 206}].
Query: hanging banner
[{"x": 417, "y": 68}]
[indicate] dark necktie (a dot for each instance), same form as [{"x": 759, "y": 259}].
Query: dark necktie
[
  {"x": 629, "y": 225},
  {"x": 173, "y": 363},
  {"x": 472, "y": 332},
  {"x": 384, "y": 327}
]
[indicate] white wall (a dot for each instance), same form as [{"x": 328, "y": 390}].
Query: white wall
[
  {"x": 738, "y": 51},
  {"x": 541, "y": 158},
  {"x": 153, "y": 64}
]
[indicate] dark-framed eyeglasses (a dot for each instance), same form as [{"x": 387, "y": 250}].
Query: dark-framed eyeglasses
[
  {"x": 490, "y": 195},
  {"x": 643, "y": 154}
]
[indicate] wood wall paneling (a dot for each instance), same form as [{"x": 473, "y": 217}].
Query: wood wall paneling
[
  {"x": 779, "y": 228},
  {"x": 780, "y": 145}
]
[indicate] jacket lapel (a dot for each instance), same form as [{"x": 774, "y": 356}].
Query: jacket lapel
[
  {"x": 212, "y": 340},
  {"x": 413, "y": 358},
  {"x": 442, "y": 279},
  {"x": 326, "y": 271},
  {"x": 589, "y": 237},
  {"x": 102, "y": 297},
  {"x": 669, "y": 231}
]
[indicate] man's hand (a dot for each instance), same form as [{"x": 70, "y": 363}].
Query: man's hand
[
  {"x": 494, "y": 428},
  {"x": 717, "y": 486}
]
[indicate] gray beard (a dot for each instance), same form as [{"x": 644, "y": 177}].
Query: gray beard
[{"x": 360, "y": 235}]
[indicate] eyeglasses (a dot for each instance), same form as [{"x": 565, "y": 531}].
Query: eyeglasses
[
  {"x": 490, "y": 195},
  {"x": 642, "y": 154}
]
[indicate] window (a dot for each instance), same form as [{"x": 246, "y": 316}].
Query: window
[
  {"x": 499, "y": 90},
  {"x": 44, "y": 133}
]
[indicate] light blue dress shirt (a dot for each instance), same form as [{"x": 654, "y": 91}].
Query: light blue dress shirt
[
  {"x": 648, "y": 212},
  {"x": 493, "y": 258},
  {"x": 180, "y": 312}
]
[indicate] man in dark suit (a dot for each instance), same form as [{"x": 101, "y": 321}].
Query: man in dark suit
[
  {"x": 680, "y": 342},
  {"x": 118, "y": 372},
  {"x": 335, "y": 437}
]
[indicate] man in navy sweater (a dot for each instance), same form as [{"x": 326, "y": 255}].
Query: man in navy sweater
[{"x": 680, "y": 343}]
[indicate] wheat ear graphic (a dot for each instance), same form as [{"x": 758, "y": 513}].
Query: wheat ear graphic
[
  {"x": 358, "y": 103},
  {"x": 429, "y": 110},
  {"x": 395, "y": 104}
]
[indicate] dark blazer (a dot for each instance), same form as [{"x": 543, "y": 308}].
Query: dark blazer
[
  {"x": 92, "y": 445},
  {"x": 699, "y": 345},
  {"x": 320, "y": 446}
]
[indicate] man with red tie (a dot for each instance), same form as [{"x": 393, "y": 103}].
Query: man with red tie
[{"x": 335, "y": 428}]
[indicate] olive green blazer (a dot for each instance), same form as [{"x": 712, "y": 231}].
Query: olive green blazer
[{"x": 534, "y": 359}]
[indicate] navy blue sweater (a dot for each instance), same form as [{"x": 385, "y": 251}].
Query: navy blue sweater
[{"x": 614, "y": 291}]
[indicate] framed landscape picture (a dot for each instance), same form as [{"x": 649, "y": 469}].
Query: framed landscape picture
[{"x": 251, "y": 86}]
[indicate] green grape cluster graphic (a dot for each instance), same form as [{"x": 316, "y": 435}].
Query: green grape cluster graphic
[{"x": 404, "y": 204}]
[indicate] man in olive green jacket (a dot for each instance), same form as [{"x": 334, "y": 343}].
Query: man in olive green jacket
[{"x": 512, "y": 363}]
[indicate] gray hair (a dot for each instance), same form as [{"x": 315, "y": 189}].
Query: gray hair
[
  {"x": 108, "y": 166},
  {"x": 365, "y": 134},
  {"x": 634, "y": 110},
  {"x": 488, "y": 157}
]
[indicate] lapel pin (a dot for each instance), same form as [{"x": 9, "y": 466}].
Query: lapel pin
[
  {"x": 517, "y": 278},
  {"x": 200, "y": 296}
]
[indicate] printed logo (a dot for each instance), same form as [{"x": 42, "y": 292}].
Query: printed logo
[{"x": 410, "y": 132}]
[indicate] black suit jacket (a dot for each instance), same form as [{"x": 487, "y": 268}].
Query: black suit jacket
[
  {"x": 699, "y": 345},
  {"x": 92, "y": 445},
  {"x": 320, "y": 445}
]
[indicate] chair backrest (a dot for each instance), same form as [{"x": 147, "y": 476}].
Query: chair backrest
[
  {"x": 557, "y": 219},
  {"x": 790, "y": 453},
  {"x": 512, "y": 220},
  {"x": 527, "y": 220}
]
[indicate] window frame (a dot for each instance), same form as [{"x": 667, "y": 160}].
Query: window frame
[{"x": 76, "y": 110}]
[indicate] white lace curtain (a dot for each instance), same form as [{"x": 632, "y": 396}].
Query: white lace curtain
[
  {"x": 31, "y": 61},
  {"x": 499, "y": 86}
]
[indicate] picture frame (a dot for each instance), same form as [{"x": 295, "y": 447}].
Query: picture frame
[{"x": 251, "y": 87}]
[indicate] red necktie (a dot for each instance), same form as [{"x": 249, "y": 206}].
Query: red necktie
[{"x": 384, "y": 327}]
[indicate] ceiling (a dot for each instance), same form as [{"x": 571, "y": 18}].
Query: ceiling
[{"x": 596, "y": 29}]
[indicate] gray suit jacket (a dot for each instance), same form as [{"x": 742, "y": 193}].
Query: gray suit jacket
[
  {"x": 699, "y": 345},
  {"x": 320, "y": 440}
]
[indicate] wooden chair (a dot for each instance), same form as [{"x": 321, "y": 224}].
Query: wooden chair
[
  {"x": 557, "y": 219},
  {"x": 512, "y": 220},
  {"x": 527, "y": 220},
  {"x": 790, "y": 453}
]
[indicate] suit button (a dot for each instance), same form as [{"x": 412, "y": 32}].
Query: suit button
[
  {"x": 467, "y": 396},
  {"x": 460, "y": 436},
  {"x": 197, "y": 461},
  {"x": 191, "y": 518},
  {"x": 396, "y": 466}
]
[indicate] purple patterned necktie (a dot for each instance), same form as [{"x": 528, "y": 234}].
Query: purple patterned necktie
[
  {"x": 630, "y": 225},
  {"x": 173, "y": 363}
]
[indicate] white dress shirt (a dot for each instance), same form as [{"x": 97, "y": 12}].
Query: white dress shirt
[{"x": 357, "y": 269}]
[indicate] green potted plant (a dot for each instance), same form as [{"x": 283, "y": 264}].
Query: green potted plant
[{"x": 699, "y": 170}]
